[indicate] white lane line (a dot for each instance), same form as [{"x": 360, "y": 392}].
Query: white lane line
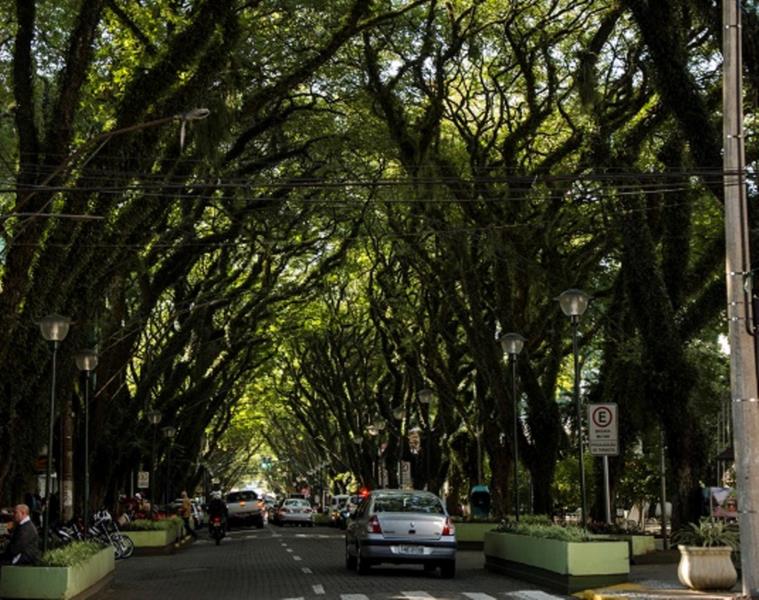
[
  {"x": 532, "y": 595},
  {"x": 477, "y": 596},
  {"x": 318, "y": 589},
  {"x": 416, "y": 595},
  {"x": 297, "y": 557},
  {"x": 288, "y": 549},
  {"x": 353, "y": 597},
  {"x": 284, "y": 544},
  {"x": 298, "y": 598},
  {"x": 307, "y": 571}
]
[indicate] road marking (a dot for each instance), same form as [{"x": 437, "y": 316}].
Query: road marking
[
  {"x": 307, "y": 571},
  {"x": 283, "y": 544},
  {"x": 298, "y": 598},
  {"x": 477, "y": 596},
  {"x": 532, "y": 595},
  {"x": 297, "y": 557},
  {"x": 353, "y": 597},
  {"x": 289, "y": 549},
  {"x": 318, "y": 589},
  {"x": 416, "y": 595}
]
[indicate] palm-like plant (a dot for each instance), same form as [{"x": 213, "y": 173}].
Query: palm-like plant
[{"x": 708, "y": 532}]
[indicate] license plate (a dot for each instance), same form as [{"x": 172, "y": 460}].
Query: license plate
[{"x": 411, "y": 549}]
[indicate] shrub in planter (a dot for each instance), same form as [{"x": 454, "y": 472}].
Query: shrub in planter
[
  {"x": 146, "y": 525},
  {"x": 705, "y": 554},
  {"x": 70, "y": 555}
]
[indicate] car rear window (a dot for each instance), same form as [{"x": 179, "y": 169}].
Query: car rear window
[
  {"x": 407, "y": 503},
  {"x": 297, "y": 502},
  {"x": 242, "y": 497}
]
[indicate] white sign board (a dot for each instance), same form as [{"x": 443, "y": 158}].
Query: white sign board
[
  {"x": 143, "y": 479},
  {"x": 603, "y": 426}
]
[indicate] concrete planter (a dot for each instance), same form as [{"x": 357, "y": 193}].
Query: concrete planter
[
  {"x": 639, "y": 544},
  {"x": 471, "y": 536},
  {"x": 79, "y": 581},
  {"x": 706, "y": 569},
  {"x": 565, "y": 566},
  {"x": 155, "y": 541}
]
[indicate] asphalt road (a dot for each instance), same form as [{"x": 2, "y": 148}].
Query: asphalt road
[{"x": 295, "y": 563}]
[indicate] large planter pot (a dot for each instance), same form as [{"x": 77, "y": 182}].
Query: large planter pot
[
  {"x": 79, "y": 581},
  {"x": 471, "y": 536},
  {"x": 155, "y": 541},
  {"x": 706, "y": 568},
  {"x": 564, "y": 566}
]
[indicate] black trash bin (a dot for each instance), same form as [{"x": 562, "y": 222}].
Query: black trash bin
[{"x": 479, "y": 502}]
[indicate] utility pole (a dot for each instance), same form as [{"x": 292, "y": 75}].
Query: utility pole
[{"x": 743, "y": 383}]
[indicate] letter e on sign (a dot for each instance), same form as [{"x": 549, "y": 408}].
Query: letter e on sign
[{"x": 603, "y": 439}]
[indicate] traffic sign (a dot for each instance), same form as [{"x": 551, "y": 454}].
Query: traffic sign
[
  {"x": 603, "y": 426},
  {"x": 143, "y": 479}
]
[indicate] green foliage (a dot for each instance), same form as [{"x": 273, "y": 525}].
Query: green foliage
[
  {"x": 147, "y": 525},
  {"x": 543, "y": 528},
  {"x": 70, "y": 555},
  {"x": 709, "y": 532}
]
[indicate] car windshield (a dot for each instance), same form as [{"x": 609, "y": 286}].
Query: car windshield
[
  {"x": 242, "y": 497},
  {"x": 297, "y": 502},
  {"x": 407, "y": 503}
]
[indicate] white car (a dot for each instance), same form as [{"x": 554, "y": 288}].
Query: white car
[
  {"x": 296, "y": 511},
  {"x": 245, "y": 507}
]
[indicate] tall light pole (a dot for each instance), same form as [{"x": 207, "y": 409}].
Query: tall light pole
[
  {"x": 573, "y": 304},
  {"x": 512, "y": 344},
  {"x": 168, "y": 432},
  {"x": 154, "y": 417},
  {"x": 399, "y": 414},
  {"x": 54, "y": 328},
  {"x": 426, "y": 396},
  {"x": 87, "y": 361}
]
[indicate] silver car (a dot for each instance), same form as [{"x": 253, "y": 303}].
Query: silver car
[
  {"x": 296, "y": 511},
  {"x": 401, "y": 526}
]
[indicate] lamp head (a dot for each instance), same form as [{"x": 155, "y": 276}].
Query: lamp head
[
  {"x": 55, "y": 327},
  {"x": 169, "y": 432},
  {"x": 154, "y": 416},
  {"x": 512, "y": 343},
  {"x": 86, "y": 360},
  {"x": 573, "y": 302},
  {"x": 425, "y": 395}
]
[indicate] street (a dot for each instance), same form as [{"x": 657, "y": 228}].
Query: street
[{"x": 298, "y": 564}]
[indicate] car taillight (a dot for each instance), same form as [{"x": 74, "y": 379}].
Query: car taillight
[
  {"x": 308, "y": 510},
  {"x": 448, "y": 528},
  {"x": 285, "y": 510},
  {"x": 373, "y": 526}
]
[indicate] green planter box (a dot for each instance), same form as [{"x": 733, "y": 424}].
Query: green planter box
[
  {"x": 471, "y": 536},
  {"x": 639, "y": 544},
  {"x": 154, "y": 541},
  {"x": 565, "y": 566},
  {"x": 80, "y": 581}
]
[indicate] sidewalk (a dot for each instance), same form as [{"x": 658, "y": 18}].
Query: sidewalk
[{"x": 657, "y": 580}]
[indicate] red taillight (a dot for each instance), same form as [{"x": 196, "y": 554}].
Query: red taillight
[
  {"x": 308, "y": 510},
  {"x": 284, "y": 510},
  {"x": 448, "y": 528},
  {"x": 217, "y": 520},
  {"x": 373, "y": 526}
]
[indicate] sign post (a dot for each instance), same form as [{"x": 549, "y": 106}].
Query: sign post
[{"x": 603, "y": 440}]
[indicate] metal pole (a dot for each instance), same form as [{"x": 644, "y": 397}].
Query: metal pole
[
  {"x": 743, "y": 384},
  {"x": 516, "y": 433},
  {"x": 86, "y": 453},
  {"x": 153, "y": 483},
  {"x": 607, "y": 491},
  {"x": 584, "y": 504},
  {"x": 49, "y": 465},
  {"x": 663, "y": 496}
]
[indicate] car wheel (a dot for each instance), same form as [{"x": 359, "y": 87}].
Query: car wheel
[
  {"x": 448, "y": 569},
  {"x": 362, "y": 564},
  {"x": 350, "y": 561}
]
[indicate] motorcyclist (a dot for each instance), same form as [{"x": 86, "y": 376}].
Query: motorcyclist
[{"x": 217, "y": 508}]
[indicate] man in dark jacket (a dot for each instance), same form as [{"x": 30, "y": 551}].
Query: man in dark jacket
[{"x": 24, "y": 545}]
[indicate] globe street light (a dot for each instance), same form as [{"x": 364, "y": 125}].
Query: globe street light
[
  {"x": 87, "y": 361},
  {"x": 573, "y": 304},
  {"x": 512, "y": 344},
  {"x": 154, "y": 417},
  {"x": 54, "y": 328},
  {"x": 168, "y": 432}
]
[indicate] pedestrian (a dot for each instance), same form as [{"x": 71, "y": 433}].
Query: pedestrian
[
  {"x": 185, "y": 511},
  {"x": 24, "y": 545}
]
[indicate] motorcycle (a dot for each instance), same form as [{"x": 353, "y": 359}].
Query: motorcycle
[{"x": 216, "y": 526}]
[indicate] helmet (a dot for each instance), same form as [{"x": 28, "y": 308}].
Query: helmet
[
  {"x": 138, "y": 496},
  {"x": 216, "y": 495}
]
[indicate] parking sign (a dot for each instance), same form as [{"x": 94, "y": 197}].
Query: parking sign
[{"x": 603, "y": 438}]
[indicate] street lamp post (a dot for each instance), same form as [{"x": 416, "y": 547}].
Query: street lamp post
[
  {"x": 573, "y": 304},
  {"x": 54, "y": 328},
  {"x": 87, "y": 361},
  {"x": 168, "y": 432},
  {"x": 154, "y": 417},
  {"x": 425, "y": 396},
  {"x": 512, "y": 344},
  {"x": 399, "y": 414}
]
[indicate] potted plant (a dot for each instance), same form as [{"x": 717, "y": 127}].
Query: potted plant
[{"x": 705, "y": 550}]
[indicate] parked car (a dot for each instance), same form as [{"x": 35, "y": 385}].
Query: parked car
[
  {"x": 294, "y": 511},
  {"x": 336, "y": 505},
  {"x": 244, "y": 507},
  {"x": 199, "y": 515},
  {"x": 401, "y": 526}
]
